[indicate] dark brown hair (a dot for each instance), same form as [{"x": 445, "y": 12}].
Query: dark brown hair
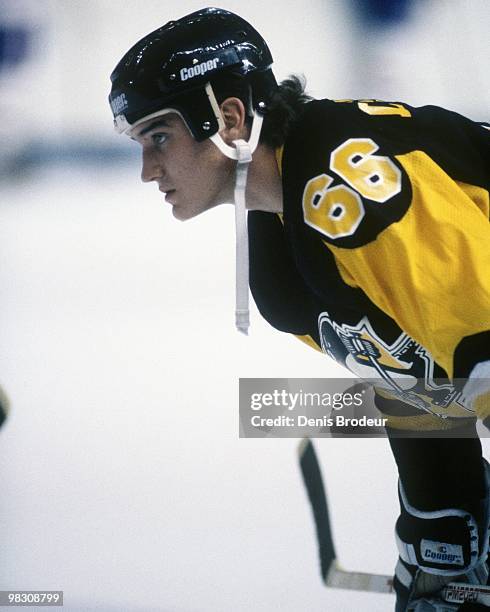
[{"x": 284, "y": 108}]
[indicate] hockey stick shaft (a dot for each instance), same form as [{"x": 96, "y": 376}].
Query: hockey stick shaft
[{"x": 333, "y": 575}]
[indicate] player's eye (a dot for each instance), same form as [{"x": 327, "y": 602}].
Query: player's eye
[{"x": 159, "y": 138}]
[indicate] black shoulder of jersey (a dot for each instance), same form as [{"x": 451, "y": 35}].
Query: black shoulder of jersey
[
  {"x": 458, "y": 145},
  {"x": 324, "y": 128}
]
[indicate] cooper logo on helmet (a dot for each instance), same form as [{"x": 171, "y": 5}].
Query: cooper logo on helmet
[
  {"x": 199, "y": 70},
  {"x": 119, "y": 104}
]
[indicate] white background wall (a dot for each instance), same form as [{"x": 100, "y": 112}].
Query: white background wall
[
  {"x": 440, "y": 56},
  {"x": 124, "y": 481}
]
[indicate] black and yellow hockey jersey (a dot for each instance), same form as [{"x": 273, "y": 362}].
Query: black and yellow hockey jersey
[{"x": 382, "y": 256}]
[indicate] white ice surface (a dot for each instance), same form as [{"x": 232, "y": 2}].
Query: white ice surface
[{"x": 123, "y": 479}]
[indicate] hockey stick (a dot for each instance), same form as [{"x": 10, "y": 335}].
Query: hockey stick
[
  {"x": 4, "y": 406},
  {"x": 333, "y": 575}
]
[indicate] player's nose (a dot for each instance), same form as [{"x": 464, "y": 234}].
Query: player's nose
[{"x": 151, "y": 169}]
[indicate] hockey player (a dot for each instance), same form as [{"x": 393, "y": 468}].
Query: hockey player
[{"x": 369, "y": 238}]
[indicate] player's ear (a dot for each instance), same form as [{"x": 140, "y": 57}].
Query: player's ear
[{"x": 234, "y": 115}]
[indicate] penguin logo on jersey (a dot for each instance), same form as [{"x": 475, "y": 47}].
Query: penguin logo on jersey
[{"x": 404, "y": 368}]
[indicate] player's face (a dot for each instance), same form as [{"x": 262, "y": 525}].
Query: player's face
[{"x": 194, "y": 176}]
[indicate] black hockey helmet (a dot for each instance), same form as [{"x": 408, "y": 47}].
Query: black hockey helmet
[{"x": 172, "y": 66}]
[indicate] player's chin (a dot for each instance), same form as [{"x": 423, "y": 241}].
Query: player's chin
[{"x": 183, "y": 213}]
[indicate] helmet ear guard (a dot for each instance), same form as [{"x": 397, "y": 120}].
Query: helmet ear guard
[{"x": 263, "y": 85}]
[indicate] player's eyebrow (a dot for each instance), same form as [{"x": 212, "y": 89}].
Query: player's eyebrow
[{"x": 155, "y": 124}]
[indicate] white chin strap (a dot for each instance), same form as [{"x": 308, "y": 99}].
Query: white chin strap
[{"x": 241, "y": 151}]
